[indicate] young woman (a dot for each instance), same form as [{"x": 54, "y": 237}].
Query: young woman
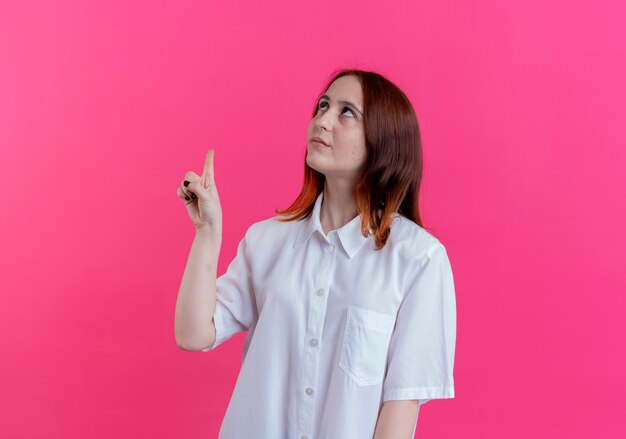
[{"x": 348, "y": 301}]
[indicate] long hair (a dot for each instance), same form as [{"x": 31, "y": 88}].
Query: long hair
[{"x": 392, "y": 173}]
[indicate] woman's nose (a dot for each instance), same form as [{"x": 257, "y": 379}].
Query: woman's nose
[{"x": 322, "y": 121}]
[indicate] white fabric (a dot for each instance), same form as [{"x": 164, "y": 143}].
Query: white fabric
[{"x": 335, "y": 328}]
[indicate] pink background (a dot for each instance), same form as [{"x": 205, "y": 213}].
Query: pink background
[{"x": 104, "y": 107}]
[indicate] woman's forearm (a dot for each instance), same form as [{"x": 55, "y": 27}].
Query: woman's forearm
[{"x": 195, "y": 304}]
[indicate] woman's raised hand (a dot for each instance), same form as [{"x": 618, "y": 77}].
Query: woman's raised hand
[{"x": 201, "y": 198}]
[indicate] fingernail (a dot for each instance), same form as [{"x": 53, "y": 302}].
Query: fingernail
[
  {"x": 193, "y": 196},
  {"x": 186, "y": 197},
  {"x": 186, "y": 183}
]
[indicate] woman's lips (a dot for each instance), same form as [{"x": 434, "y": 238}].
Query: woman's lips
[{"x": 318, "y": 141}]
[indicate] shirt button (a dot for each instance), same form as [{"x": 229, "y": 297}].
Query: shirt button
[
  {"x": 313, "y": 342},
  {"x": 308, "y": 391},
  {"x": 331, "y": 248},
  {"x": 320, "y": 292}
]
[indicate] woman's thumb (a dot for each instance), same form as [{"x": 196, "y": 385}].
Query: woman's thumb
[{"x": 197, "y": 188}]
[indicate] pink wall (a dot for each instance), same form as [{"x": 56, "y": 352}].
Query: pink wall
[{"x": 104, "y": 107}]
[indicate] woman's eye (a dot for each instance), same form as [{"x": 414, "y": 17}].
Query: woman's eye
[{"x": 344, "y": 108}]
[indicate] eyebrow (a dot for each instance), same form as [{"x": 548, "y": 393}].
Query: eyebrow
[{"x": 350, "y": 104}]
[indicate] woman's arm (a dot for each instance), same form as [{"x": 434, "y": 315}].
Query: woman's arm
[
  {"x": 195, "y": 305},
  {"x": 397, "y": 419}
]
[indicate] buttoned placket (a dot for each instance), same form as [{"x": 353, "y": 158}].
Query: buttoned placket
[{"x": 312, "y": 344}]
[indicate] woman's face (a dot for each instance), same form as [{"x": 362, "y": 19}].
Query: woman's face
[{"x": 339, "y": 123}]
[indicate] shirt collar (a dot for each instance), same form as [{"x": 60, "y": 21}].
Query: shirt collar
[{"x": 349, "y": 234}]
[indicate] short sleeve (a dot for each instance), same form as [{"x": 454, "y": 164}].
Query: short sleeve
[
  {"x": 421, "y": 351},
  {"x": 235, "y": 307}
]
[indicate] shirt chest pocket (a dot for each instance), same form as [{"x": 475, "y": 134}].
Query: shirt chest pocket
[{"x": 365, "y": 343}]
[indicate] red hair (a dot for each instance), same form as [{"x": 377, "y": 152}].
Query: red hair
[{"x": 392, "y": 172}]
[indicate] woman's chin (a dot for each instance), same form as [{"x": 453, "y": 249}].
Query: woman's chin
[{"x": 315, "y": 165}]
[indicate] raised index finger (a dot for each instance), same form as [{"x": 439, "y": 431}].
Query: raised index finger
[{"x": 207, "y": 173}]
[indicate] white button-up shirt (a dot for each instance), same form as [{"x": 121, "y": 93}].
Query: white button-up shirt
[{"x": 335, "y": 328}]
